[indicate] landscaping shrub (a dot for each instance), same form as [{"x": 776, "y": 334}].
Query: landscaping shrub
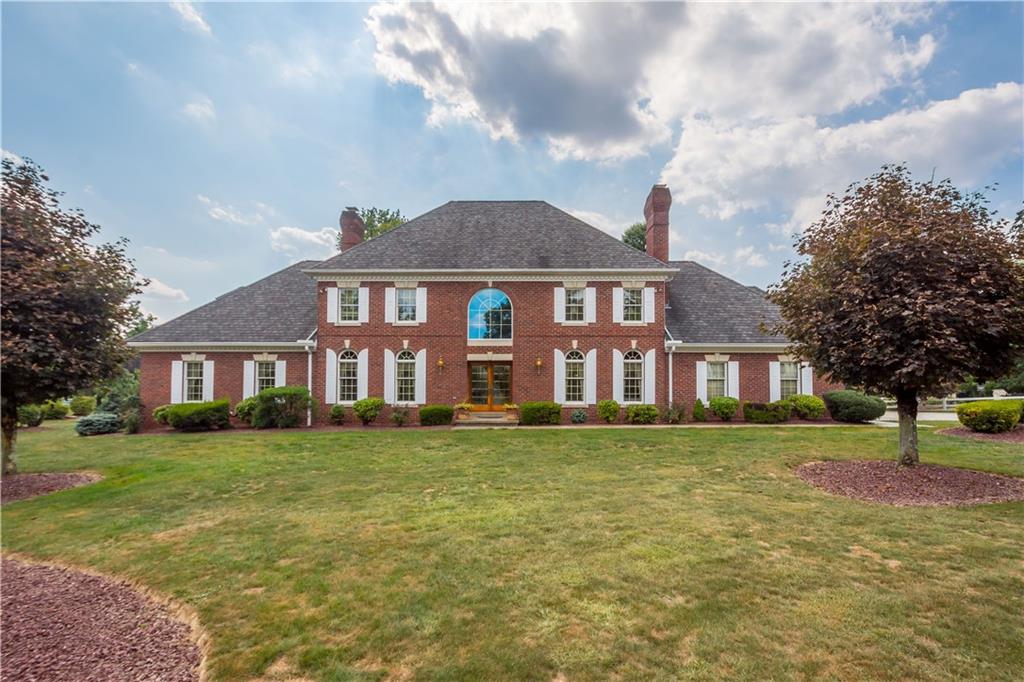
[
  {"x": 608, "y": 410},
  {"x": 724, "y": 407},
  {"x": 699, "y": 415},
  {"x": 400, "y": 415},
  {"x": 200, "y": 416},
  {"x": 132, "y": 421},
  {"x": 337, "y": 415},
  {"x": 675, "y": 413},
  {"x": 120, "y": 394},
  {"x": 641, "y": 414},
  {"x": 82, "y": 405},
  {"x": 30, "y": 415},
  {"x": 368, "y": 409},
  {"x": 578, "y": 417},
  {"x": 55, "y": 409},
  {"x": 807, "y": 406},
  {"x": 160, "y": 414},
  {"x": 283, "y": 407},
  {"x": 768, "y": 413},
  {"x": 853, "y": 406},
  {"x": 540, "y": 412},
  {"x": 436, "y": 415},
  {"x": 990, "y": 416},
  {"x": 245, "y": 408},
  {"x": 97, "y": 423}
]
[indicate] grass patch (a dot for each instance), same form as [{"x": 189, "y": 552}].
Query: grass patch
[{"x": 532, "y": 554}]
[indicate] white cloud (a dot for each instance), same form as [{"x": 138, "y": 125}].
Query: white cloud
[
  {"x": 775, "y": 248},
  {"x": 201, "y": 109},
  {"x": 716, "y": 260},
  {"x": 746, "y": 255},
  {"x": 157, "y": 289},
  {"x": 14, "y": 158},
  {"x": 600, "y": 221},
  {"x": 192, "y": 17},
  {"x": 723, "y": 169},
  {"x": 301, "y": 244},
  {"x": 227, "y": 213}
]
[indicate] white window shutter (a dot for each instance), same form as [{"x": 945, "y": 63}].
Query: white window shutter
[
  {"x": 362, "y": 373},
  {"x": 702, "y": 382},
  {"x": 774, "y": 381},
  {"x": 389, "y": 373},
  {"x": 280, "y": 373},
  {"x": 649, "y": 304},
  {"x": 421, "y": 305},
  {"x": 617, "y": 306},
  {"x": 733, "y": 383},
  {"x": 807, "y": 379},
  {"x": 590, "y": 377},
  {"x": 559, "y": 376},
  {"x": 389, "y": 304},
  {"x": 331, "y": 380},
  {"x": 207, "y": 380},
  {"x": 364, "y": 305},
  {"x": 650, "y": 378},
  {"x": 559, "y": 304},
  {"x": 177, "y": 381},
  {"x": 421, "y": 377},
  {"x": 332, "y": 305},
  {"x": 248, "y": 379},
  {"x": 617, "y": 373},
  {"x": 590, "y": 309}
]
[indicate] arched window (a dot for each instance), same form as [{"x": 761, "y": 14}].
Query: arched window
[
  {"x": 575, "y": 377},
  {"x": 633, "y": 377},
  {"x": 490, "y": 315},
  {"x": 405, "y": 377},
  {"x": 348, "y": 376}
]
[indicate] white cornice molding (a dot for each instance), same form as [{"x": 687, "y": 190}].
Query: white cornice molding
[
  {"x": 539, "y": 275},
  {"x": 681, "y": 347},
  {"x": 240, "y": 346}
]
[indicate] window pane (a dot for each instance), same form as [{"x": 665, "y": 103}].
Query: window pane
[
  {"x": 789, "y": 370},
  {"x": 716, "y": 379},
  {"x": 348, "y": 300},
  {"x": 405, "y": 299},
  {"x": 574, "y": 304},
  {"x": 632, "y": 377},
  {"x": 490, "y": 315},
  {"x": 193, "y": 382},
  {"x": 633, "y": 305},
  {"x": 348, "y": 377},
  {"x": 405, "y": 377},
  {"x": 265, "y": 375},
  {"x": 574, "y": 377}
]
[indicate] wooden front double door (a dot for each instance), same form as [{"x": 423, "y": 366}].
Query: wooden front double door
[{"x": 490, "y": 385}]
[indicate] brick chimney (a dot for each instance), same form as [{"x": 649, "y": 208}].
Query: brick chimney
[
  {"x": 656, "y": 214},
  {"x": 351, "y": 228}
]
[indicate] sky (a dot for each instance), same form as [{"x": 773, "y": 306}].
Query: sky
[{"x": 224, "y": 139}]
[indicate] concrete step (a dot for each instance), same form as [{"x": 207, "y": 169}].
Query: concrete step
[{"x": 486, "y": 419}]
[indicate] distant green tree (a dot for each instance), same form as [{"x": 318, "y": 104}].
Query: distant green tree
[
  {"x": 140, "y": 321},
  {"x": 636, "y": 236},
  {"x": 377, "y": 221}
]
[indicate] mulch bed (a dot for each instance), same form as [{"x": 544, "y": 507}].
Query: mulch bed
[
  {"x": 924, "y": 485},
  {"x": 60, "y": 624},
  {"x": 22, "y": 486},
  {"x": 1014, "y": 436}
]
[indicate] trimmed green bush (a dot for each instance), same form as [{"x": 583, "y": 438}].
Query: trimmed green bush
[
  {"x": 132, "y": 421},
  {"x": 98, "y": 423},
  {"x": 30, "y": 415},
  {"x": 368, "y": 409},
  {"x": 699, "y": 415},
  {"x": 768, "y": 413},
  {"x": 675, "y": 413},
  {"x": 578, "y": 417},
  {"x": 119, "y": 394},
  {"x": 337, "y": 415},
  {"x": 160, "y": 414},
  {"x": 641, "y": 414},
  {"x": 55, "y": 409},
  {"x": 990, "y": 416},
  {"x": 200, "y": 416},
  {"x": 853, "y": 406},
  {"x": 436, "y": 415},
  {"x": 724, "y": 407},
  {"x": 540, "y": 412},
  {"x": 608, "y": 411},
  {"x": 807, "y": 406},
  {"x": 82, "y": 405},
  {"x": 245, "y": 408},
  {"x": 399, "y": 416},
  {"x": 283, "y": 407}
]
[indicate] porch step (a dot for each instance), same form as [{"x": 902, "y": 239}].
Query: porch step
[{"x": 487, "y": 419}]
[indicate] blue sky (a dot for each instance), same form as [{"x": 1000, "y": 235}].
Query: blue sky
[{"x": 224, "y": 139}]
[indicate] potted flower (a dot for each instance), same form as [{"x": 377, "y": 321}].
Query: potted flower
[
  {"x": 511, "y": 412},
  {"x": 462, "y": 411}
]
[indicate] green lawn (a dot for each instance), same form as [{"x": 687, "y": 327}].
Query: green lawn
[{"x": 587, "y": 554}]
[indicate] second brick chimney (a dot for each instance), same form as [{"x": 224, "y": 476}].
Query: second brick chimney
[
  {"x": 352, "y": 228},
  {"x": 656, "y": 214}
]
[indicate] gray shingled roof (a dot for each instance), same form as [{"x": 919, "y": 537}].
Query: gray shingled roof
[
  {"x": 280, "y": 308},
  {"x": 483, "y": 235},
  {"x": 706, "y": 307}
]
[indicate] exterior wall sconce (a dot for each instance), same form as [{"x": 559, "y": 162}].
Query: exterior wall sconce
[
  {"x": 440, "y": 363},
  {"x": 538, "y": 363}
]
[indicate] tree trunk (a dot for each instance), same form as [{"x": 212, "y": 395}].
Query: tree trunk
[
  {"x": 9, "y": 426},
  {"x": 906, "y": 408}
]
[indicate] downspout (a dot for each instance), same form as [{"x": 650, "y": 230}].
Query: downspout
[
  {"x": 671, "y": 392},
  {"x": 309, "y": 383}
]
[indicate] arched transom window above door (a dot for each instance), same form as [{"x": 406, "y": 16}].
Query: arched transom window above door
[{"x": 490, "y": 316}]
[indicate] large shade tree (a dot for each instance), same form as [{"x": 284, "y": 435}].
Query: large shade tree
[
  {"x": 66, "y": 300},
  {"x": 906, "y": 288},
  {"x": 636, "y": 236}
]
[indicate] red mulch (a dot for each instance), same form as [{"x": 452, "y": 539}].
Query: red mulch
[
  {"x": 15, "y": 487},
  {"x": 60, "y": 624},
  {"x": 924, "y": 485},
  {"x": 1014, "y": 436}
]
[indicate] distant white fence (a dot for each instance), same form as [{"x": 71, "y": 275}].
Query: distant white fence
[{"x": 949, "y": 404}]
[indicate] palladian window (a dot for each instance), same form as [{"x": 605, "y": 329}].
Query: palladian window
[
  {"x": 574, "y": 377},
  {"x": 490, "y": 315},
  {"x": 348, "y": 376},
  {"x": 632, "y": 377},
  {"x": 405, "y": 377}
]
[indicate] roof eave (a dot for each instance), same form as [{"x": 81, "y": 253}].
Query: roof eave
[
  {"x": 705, "y": 347},
  {"x": 665, "y": 273}
]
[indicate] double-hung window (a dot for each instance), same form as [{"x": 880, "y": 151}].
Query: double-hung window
[
  {"x": 405, "y": 376},
  {"x": 633, "y": 376},
  {"x": 575, "y": 305},
  {"x": 193, "y": 382},
  {"x": 789, "y": 379},
  {"x": 717, "y": 372},
  {"x": 348, "y": 376},
  {"x": 348, "y": 304},
  {"x": 266, "y": 375},
  {"x": 632, "y": 305},
  {"x": 405, "y": 304},
  {"x": 575, "y": 377}
]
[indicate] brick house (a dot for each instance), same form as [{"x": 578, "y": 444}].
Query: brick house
[{"x": 486, "y": 302}]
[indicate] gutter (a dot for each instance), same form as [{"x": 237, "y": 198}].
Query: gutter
[
  {"x": 221, "y": 345},
  {"x": 767, "y": 347}
]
